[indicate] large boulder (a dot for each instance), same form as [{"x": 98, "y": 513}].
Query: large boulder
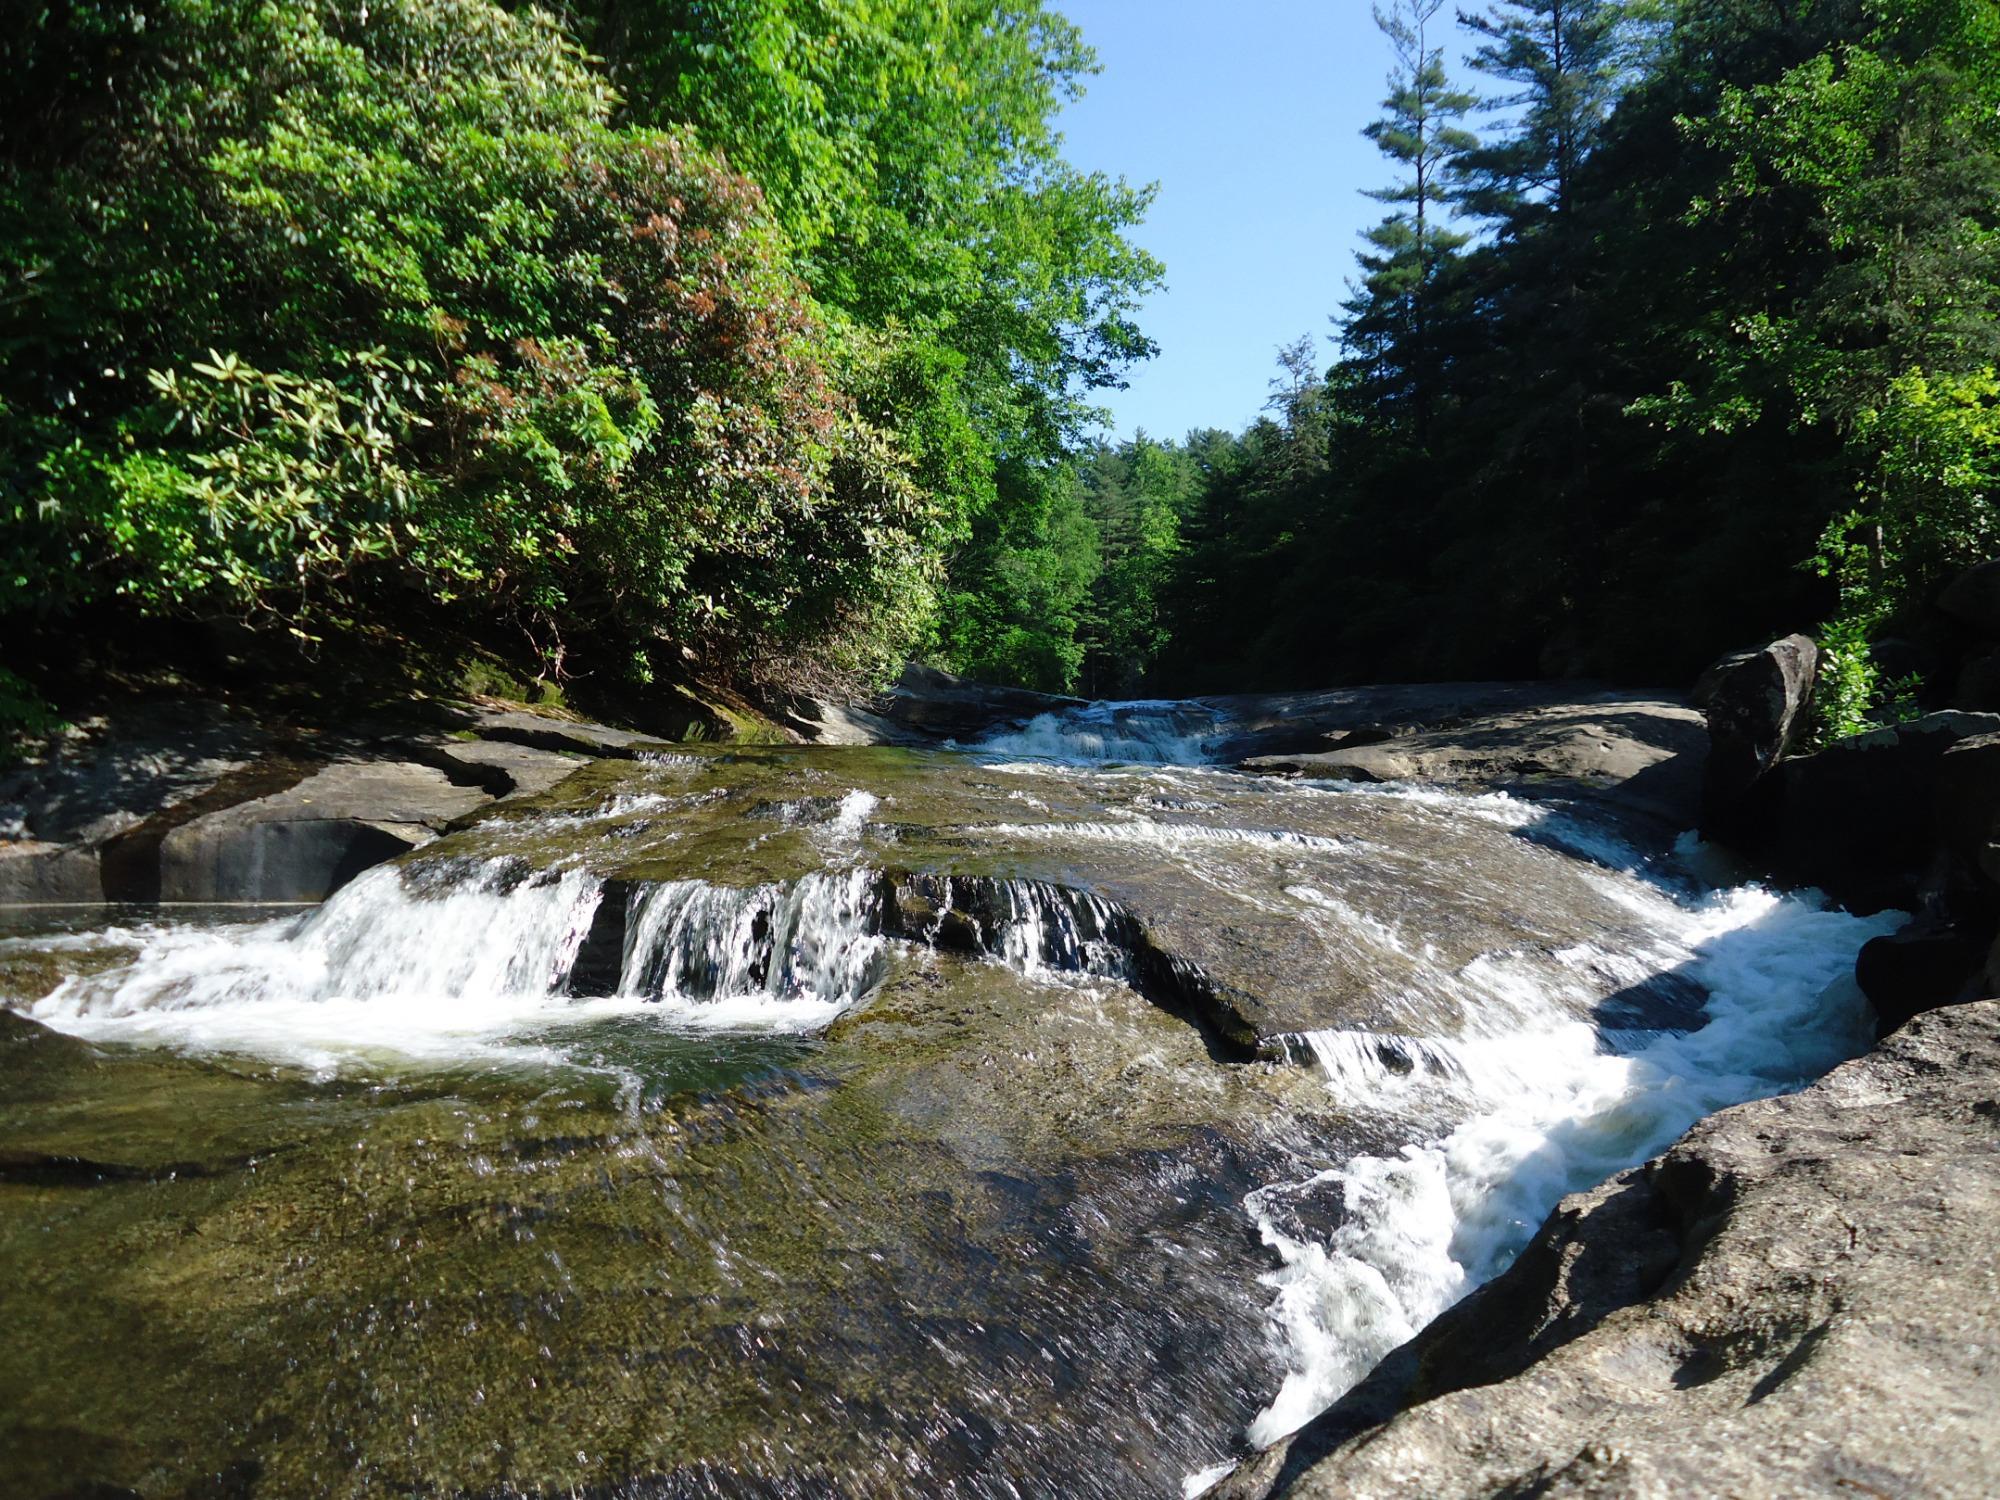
[
  {"x": 1795, "y": 1300},
  {"x": 1703, "y": 692},
  {"x": 1973, "y": 600},
  {"x": 102, "y": 779},
  {"x": 1967, "y": 800},
  {"x": 1755, "y": 710},
  {"x": 499, "y": 767},
  {"x": 305, "y": 842},
  {"x": 36, "y": 873},
  {"x": 1628, "y": 752},
  {"x": 1928, "y": 964},
  {"x": 1860, "y": 819}
]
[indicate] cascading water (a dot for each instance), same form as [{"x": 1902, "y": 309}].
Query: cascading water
[
  {"x": 1141, "y": 733},
  {"x": 911, "y": 1185},
  {"x": 1511, "y": 1122},
  {"x": 793, "y": 956}
]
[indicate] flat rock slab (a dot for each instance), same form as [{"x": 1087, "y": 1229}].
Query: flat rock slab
[
  {"x": 1642, "y": 753},
  {"x": 303, "y": 843},
  {"x": 1282, "y": 723},
  {"x": 545, "y": 732},
  {"x": 1283, "y": 912},
  {"x": 1802, "y": 1297},
  {"x": 33, "y": 872},
  {"x": 824, "y": 722},
  {"x": 91, "y": 789},
  {"x": 501, "y": 768}
]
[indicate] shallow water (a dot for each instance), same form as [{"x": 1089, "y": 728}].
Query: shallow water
[{"x": 845, "y": 1122}]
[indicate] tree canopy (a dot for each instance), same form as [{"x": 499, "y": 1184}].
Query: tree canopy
[{"x": 759, "y": 337}]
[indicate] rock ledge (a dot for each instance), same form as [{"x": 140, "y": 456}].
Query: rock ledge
[{"x": 1802, "y": 1297}]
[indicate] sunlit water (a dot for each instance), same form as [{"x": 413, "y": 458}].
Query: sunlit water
[{"x": 1494, "y": 1055}]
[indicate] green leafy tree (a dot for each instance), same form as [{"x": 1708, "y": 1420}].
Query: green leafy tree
[
  {"x": 324, "y": 316},
  {"x": 910, "y": 153},
  {"x": 1136, "y": 494}
]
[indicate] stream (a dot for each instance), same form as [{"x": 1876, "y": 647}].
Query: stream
[{"x": 1058, "y": 1116}]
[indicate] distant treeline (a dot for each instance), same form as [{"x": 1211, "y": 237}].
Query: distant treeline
[{"x": 1691, "y": 341}]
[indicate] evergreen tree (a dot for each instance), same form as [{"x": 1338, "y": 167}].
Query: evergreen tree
[
  {"x": 1562, "y": 58},
  {"x": 1391, "y": 329}
]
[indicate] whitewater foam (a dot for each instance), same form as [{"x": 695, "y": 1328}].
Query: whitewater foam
[
  {"x": 1549, "y": 1108},
  {"x": 1142, "y": 732}
]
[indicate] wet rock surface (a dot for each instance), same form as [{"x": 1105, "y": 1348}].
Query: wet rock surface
[
  {"x": 1236, "y": 899},
  {"x": 191, "y": 802},
  {"x": 307, "y": 841},
  {"x": 974, "y": 1219},
  {"x": 939, "y": 706},
  {"x": 1798, "y": 1298},
  {"x": 1636, "y": 753},
  {"x": 983, "y": 1230}
]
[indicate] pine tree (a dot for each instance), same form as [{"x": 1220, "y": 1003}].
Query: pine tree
[
  {"x": 1391, "y": 324},
  {"x": 1562, "y": 56}
]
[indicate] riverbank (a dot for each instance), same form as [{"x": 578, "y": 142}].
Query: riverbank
[{"x": 161, "y": 798}]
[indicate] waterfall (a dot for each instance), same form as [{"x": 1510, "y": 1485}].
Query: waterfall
[
  {"x": 426, "y": 960},
  {"x": 796, "y": 954},
  {"x": 436, "y": 963}
]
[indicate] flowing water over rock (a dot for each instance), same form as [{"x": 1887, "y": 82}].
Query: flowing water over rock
[{"x": 843, "y": 1121}]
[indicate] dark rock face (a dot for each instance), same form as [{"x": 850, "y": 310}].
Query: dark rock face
[
  {"x": 1973, "y": 600},
  {"x": 1796, "y": 1299},
  {"x": 1968, "y": 803},
  {"x": 1755, "y": 708},
  {"x": 1860, "y": 818},
  {"x": 943, "y": 707},
  {"x": 304, "y": 843},
  {"x": 1703, "y": 691},
  {"x": 1929, "y": 963},
  {"x": 160, "y": 806},
  {"x": 1978, "y": 689},
  {"x": 547, "y": 733}
]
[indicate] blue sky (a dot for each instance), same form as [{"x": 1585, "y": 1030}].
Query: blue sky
[{"x": 1249, "y": 116}]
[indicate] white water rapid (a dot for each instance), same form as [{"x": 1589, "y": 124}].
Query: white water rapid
[
  {"x": 1147, "y": 732},
  {"x": 1513, "y": 1121},
  {"x": 1529, "y": 1007}
]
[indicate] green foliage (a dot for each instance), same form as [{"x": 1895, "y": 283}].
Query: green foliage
[
  {"x": 1135, "y": 494},
  {"x": 24, "y": 714},
  {"x": 1562, "y": 58},
  {"x": 1018, "y": 611},
  {"x": 1408, "y": 268},
  {"x": 909, "y": 152},
  {"x": 1847, "y": 688},
  {"x": 312, "y": 310}
]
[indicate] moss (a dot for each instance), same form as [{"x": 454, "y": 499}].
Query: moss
[{"x": 474, "y": 1282}]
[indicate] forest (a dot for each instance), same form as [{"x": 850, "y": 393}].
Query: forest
[{"x": 758, "y": 340}]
